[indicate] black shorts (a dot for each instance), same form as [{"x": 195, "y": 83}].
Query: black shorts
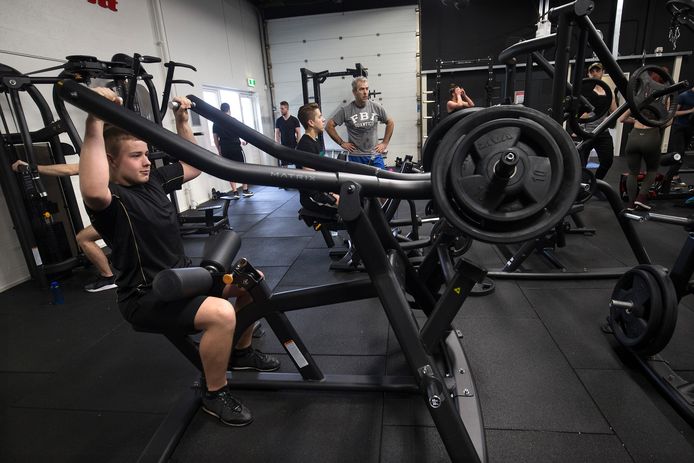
[
  {"x": 147, "y": 311},
  {"x": 234, "y": 155}
]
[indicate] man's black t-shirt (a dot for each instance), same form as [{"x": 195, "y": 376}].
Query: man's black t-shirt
[
  {"x": 312, "y": 199},
  {"x": 229, "y": 142},
  {"x": 306, "y": 143},
  {"x": 287, "y": 130},
  {"x": 141, "y": 228}
]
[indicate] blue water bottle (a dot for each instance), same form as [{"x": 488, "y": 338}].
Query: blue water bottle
[{"x": 56, "y": 293}]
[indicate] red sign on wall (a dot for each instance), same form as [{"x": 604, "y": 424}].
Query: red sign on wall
[{"x": 110, "y": 4}]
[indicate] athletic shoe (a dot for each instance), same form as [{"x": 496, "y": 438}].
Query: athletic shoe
[
  {"x": 235, "y": 195},
  {"x": 639, "y": 206},
  {"x": 252, "y": 359},
  {"x": 247, "y": 193},
  {"x": 102, "y": 283},
  {"x": 226, "y": 407}
]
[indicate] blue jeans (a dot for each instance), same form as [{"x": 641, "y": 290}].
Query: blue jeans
[{"x": 367, "y": 159}]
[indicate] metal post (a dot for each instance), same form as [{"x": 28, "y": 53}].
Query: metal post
[{"x": 561, "y": 67}]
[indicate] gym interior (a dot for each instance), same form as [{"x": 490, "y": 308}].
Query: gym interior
[{"x": 512, "y": 286}]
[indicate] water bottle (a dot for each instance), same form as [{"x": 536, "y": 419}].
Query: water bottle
[{"x": 56, "y": 294}]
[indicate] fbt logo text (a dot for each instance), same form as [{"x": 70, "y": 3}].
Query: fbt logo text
[{"x": 110, "y": 4}]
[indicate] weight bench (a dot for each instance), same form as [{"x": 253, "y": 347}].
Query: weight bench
[{"x": 203, "y": 218}]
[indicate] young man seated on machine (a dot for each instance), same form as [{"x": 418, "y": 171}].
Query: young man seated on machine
[
  {"x": 128, "y": 204},
  {"x": 312, "y": 120},
  {"x": 87, "y": 237}
]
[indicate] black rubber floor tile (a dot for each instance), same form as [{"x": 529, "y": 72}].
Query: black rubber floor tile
[
  {"x": 273, "y": 275},
  {"x": 353, "y": 328},
  {"x": 574, "y": 318},
  {"x": 523, "y": 380},
  {"x": 312, "y": 268},
  {"x": 290, "y": 427},
  {"x": 318, "y": 242},
  {"x": 485, "y": 255},
  {"x": 75, "y": 436},
  {"x": 41, "y": 338},
  {"x": 144, "y": 373},
  {"x": 679, "y": 352},
  {"x": 290, "y": 209},
  {"x": 255, "y": 206},
  {"x": 272, "y": 252},
  {"x": 244, "y": 222},
  {"x": 406, "y": 410},
  {"x": 512, "y": 446},
  {"x": 412, "y": 444},
  {"x": 646, "y": 433},
  {"x": 272, "y": 228},
  {"x": 14, "y": 386},
  {"x": 507, "y": 300}
]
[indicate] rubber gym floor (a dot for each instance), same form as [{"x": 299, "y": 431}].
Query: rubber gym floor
[{"x": 77, "y": 384}]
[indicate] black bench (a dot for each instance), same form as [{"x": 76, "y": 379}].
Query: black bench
[{"x": 203, "y": 218}]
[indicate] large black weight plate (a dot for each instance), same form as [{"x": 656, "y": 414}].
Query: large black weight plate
[
  {"x": 670, "y": 305},
  {"x": 587, "y": 90},
  {"x": 437, "y": 133},
  {"x": 635, "y": 327},
  {"x": 587, "y": 186},
  {"x": 538, "y": 193},
  {"x": 643, "y": 83}
]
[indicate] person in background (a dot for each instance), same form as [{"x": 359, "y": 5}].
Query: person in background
[
  {"x": 87, "y": 237},
  {"x": 287, "y": 128},
  {"x": 603, "y": 143},
  {"x": 681, "y": 133},
  {"x": 643, "y": 143},
  {"x": 314, "y": 124},
  {"x": 458, "y": 100},
  {"x": 361, "y": 117},
  {"x": 229, "y": 146}
]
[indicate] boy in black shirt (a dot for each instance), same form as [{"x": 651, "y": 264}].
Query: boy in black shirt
[
  {"x": 128, "y": 205},
  {"x": 314, "y": 124}
]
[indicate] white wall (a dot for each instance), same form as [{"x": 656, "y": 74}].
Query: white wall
[
  {"x": 383, "y": 40},
  {"x": 221, "y": 38}
]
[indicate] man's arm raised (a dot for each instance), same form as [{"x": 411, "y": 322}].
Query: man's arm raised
[
  {"x": 93, "y": 164},
  {"x": 184, "y": 129}
]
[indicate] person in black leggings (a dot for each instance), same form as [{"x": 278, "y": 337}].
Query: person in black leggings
[
  {"x": 643, "y": 143},
  {"x": 603, "y": 143}
]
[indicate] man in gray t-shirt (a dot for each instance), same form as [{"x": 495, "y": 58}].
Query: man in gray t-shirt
[{"x": 361, "y": 117}]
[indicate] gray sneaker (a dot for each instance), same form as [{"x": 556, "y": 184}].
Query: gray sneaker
[
  {"x": 247, "y": 193},
  {"x": 226, "y": 407}
]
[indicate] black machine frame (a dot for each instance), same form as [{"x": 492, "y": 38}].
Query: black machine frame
[
  {"x": 13, "y": 83},
  {"x": 565, "y": 101},
  {"x": 679, "y": 391},
  {"x": 389, "y": 272}
]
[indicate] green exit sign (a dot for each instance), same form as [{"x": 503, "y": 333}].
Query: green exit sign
[{"x": 251, "y": 82}]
